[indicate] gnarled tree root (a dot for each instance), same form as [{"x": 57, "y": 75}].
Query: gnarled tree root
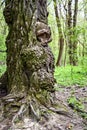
[{"x": 17, "y": 107}]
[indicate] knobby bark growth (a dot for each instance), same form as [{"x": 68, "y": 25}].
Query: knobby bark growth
[{"x": 30, "y": 63}]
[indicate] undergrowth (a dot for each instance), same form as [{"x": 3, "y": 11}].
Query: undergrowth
[
  {"x": 71, "y": 75},
  {"x": 2, "y": 55}
]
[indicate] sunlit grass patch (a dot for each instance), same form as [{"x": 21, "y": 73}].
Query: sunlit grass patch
[{"x": 71, "y": 75}]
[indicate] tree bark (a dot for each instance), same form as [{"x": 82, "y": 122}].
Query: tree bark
[
  {"x": 70, "y": 51},
  {"x": 61, "y": 38},
  {"x": 75, "y": 58},
  {"x": 30, "y": 62}
]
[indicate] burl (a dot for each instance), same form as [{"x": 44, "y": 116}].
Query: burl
[{"x": 43, "y": 33}]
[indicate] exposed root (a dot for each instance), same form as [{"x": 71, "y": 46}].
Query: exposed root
[
  {"x": 65, "y": 113},
  {"x": 36, "y": 109},
  {"x": 19, "y": 114},
  {"x": 33, "y": 111},
  {"x": 18, "y": 96}
]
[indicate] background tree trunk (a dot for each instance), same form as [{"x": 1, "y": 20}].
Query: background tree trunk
[
  {"x": 75, "y": 58},
  {"x": 70, "y": 51},
  {"x": 84, "y": 52},
  {"x": 61, "y": 39}
]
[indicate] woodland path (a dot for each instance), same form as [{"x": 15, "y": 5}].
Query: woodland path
[{"x": 56, "y": 121}]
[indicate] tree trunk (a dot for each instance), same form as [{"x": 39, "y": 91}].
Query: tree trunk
[
  {"x": 65, "y": 32},
  {"x": 65, "y": 54},
  {"x": 30, "y": 62},
  {"x": 70, "y": 51},
  {"x": 61, "y": 39},
  {"x": 84, "y": 52},
  {"x": 75, "y": 58}
]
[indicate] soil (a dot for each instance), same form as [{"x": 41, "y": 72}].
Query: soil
[{"x": 55, "y": 121}]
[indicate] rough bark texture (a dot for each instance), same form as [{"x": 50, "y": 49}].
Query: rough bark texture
[
  {"x": 42, "y": 11},
  {"x": 30, "y": 62}
]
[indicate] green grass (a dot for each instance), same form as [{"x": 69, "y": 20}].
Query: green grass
[
  {"x": 2, "y": 69},
  {"x": 2, "y": 55},
  {"x": 71, "y": 75}
]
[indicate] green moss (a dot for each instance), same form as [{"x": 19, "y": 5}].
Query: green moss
[
  {"x": 43, "y": 97},
  {"x": 34, "y": 57}
]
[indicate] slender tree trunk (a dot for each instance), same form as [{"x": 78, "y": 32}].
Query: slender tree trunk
[
  {"x": 30, "y": 62},
  {"x": 84, "y": 52},
  {"x": 70, "y": 51},
  {"x": 65, "y": 32},
  {"x": 61, "y": 38},
  {"x": 65, "y": 54},
  {"x": 75, "y": 58}
]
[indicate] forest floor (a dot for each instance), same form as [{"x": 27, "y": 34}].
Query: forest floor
[{"x": 56, "y": 121}]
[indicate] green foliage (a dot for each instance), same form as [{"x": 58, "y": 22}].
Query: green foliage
[
  {"x": 84, "y": 115},
  {"x": 71, "y": 75},
  {"x": 2, "y": 41},
  {"x": 76, "y": 103},
  {"x": 3, "y": 32},
  {"x": 2, "y": 55}
]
